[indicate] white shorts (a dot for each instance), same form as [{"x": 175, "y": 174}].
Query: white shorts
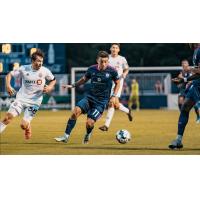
[
  {"x": 17, "y": 107},
  {"x": 120, "y": 88}
]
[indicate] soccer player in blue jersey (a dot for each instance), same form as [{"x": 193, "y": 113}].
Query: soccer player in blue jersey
[
  {"x": 192, "y": 97},
  {"x": 184, "y": 88},
  {"x": 94, "y": 103}
]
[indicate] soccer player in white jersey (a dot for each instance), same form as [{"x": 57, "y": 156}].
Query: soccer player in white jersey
[
  {"x": 30, "y": 95},
  {"x": 120, "y": 64}
]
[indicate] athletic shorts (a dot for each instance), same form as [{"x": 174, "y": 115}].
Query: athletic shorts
[
  {"x": 17, "y": 107},
  {"x": 120, "y": 88},
  {"x": 93, "y": 109}
]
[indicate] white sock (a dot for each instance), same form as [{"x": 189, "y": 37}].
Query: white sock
[
  {"x": 123, "y": 108},
  {"x": 109, "y": 116},
  {"x": 2, "y": 127}
]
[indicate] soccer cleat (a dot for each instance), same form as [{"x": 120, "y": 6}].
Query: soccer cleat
[
  {"x": 27, "y": 133},
  {"x": 103, "y": 128},
  {"x": 176, "y": 144},
  {"x": 63, "y": 138},
  {"x": 87, "y": 138},
  {"x": 130, "y": 117},
  {"x": 198, "y": 120}
]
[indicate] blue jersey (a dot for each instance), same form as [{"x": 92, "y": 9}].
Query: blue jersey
[
  {"x": 101, "y": 83},
  {"x": 196, "y": 62}
]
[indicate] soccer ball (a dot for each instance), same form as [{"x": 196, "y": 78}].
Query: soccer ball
[{"x": 123, "y": 136}]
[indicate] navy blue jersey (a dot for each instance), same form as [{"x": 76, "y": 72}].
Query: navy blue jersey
[
  {"x": 101, "y": 83},
  {"x": 196, "y": 57},
  {"x": 185, "y": 74},
  {"x": 196, "y": 62}
]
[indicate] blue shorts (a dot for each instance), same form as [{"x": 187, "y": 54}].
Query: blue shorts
[
  {"x": 93, "y": 109},
  {"x": 194, "y": 93}
]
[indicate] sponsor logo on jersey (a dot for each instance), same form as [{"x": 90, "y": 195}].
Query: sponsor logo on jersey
[
  {"x": 107, "y": 75},
  {"x": 39, "y": 82},
  {"x": 29, "y": 81}
]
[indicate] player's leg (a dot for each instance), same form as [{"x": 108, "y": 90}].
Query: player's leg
[
  {"x": 180, "y": 101},
  {"x": 121, "y": 107},
  {"x": 93, "y": 115},
  {"x": 29, "y": 114},
  {"x": 197, "y": 111},
  {"x": 14, "y": 110},
  {"x": 81, "y": 107},
  {"x": 182, "y": 122},
  {"x": 89, "y": 128},
  {"x": 137, "y": 102},
  {"x": 109, "y": 116}
]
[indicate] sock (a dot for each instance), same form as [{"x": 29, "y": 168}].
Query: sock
[
  {"x": 179, "y": 137},
  {"x": 183, "y": 120},
  {"x": 89, "y": 130},
  {"x": 70, "y": 125},
  {"x": 109, "y": 116},
  {"x": 123, "y": 108},
  {"x": 2, "y": 127}
]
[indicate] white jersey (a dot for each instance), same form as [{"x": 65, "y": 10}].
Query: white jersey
[
  {"x": 33, "y": 82},
  {"x": 119, "y": 63}
]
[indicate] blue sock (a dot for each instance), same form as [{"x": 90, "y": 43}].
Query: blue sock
[
  {"x": 70, "y": 125},
  {"x": 183, "y": 120},
  {"x": 89, "y": 129}
]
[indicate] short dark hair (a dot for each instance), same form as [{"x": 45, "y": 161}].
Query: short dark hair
[
  {"x": 118, "y": 44},
  {"x": 185, "y": 60},
  {"x": 102, "y": 54},
  {"x": 39, "y": 53}
]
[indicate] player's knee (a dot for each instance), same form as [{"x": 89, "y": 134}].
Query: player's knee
[
  {"x": 7, "y": 119},
  {"x": 116, "y": 106},
  {"x": 76, "y": 113},
  {"x": 90, "y": 123}
]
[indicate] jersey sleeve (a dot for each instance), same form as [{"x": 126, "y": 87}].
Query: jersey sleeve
[
  {"x": 115, "y": 75},
  {"x": 17, "y": 73},
  {"x": 124, "y": 63},
  {"x": 88, "y": 73},
  {"x": 49, "y": 76}
]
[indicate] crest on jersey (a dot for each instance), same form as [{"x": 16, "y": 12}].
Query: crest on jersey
[
  {"x": 99, "y": 79},
  {"x": 39, "y": 82},
  {"x": 15, "y": 104},
  {"x": 40, "y": 75},
  {"x": 107, "y": 75},
  {"x": 27, "y": 74}
]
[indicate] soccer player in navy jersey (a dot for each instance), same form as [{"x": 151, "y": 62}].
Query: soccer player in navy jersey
[
  {"x": 97, "y": 98},
  {"x": 191, "y": 98}
]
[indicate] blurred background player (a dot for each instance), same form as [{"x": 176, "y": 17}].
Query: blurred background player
[
  {"x": 102, "y": 77},
  {"x": 30, "y": 95},
  {"x": 134, "y": 97},
  {"x": 120, "y": 64},
  {"x": 184, "y": 87},
  {"x": 192, "y": 97}
]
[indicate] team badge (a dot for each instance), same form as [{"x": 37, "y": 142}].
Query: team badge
[
  {"x": 27, "y": 74},
  {"x": 39, "y": 82},
  {"x": 15, "y": 104},
  {"x": 98, "y": 79},
  {"x": 107, "y": 75}
]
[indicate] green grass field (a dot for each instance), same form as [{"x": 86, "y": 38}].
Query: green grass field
[{"x": 152, "y": 131}]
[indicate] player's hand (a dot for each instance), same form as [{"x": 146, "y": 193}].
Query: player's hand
[
  {"x": 11, "y": 91},
  {"x": 67, "y": 86},
  {"x": 177, "y": 80},
  {"x": 47, "y": 89}
]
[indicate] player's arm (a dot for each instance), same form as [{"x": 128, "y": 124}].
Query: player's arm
[
  {"x": 116, "y": 89},
  {"x": 9, "y": 89},
  {"x": 50, "y": 87},
  {"x": 186, "y": 80},
  {"x": 125, "y": 68},
  {"x": 81, "y": 81}
]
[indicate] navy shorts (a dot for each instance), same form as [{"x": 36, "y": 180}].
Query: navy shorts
[
  {"x": 93, "y": 109},
  {"x": 194, "y": 93}
]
